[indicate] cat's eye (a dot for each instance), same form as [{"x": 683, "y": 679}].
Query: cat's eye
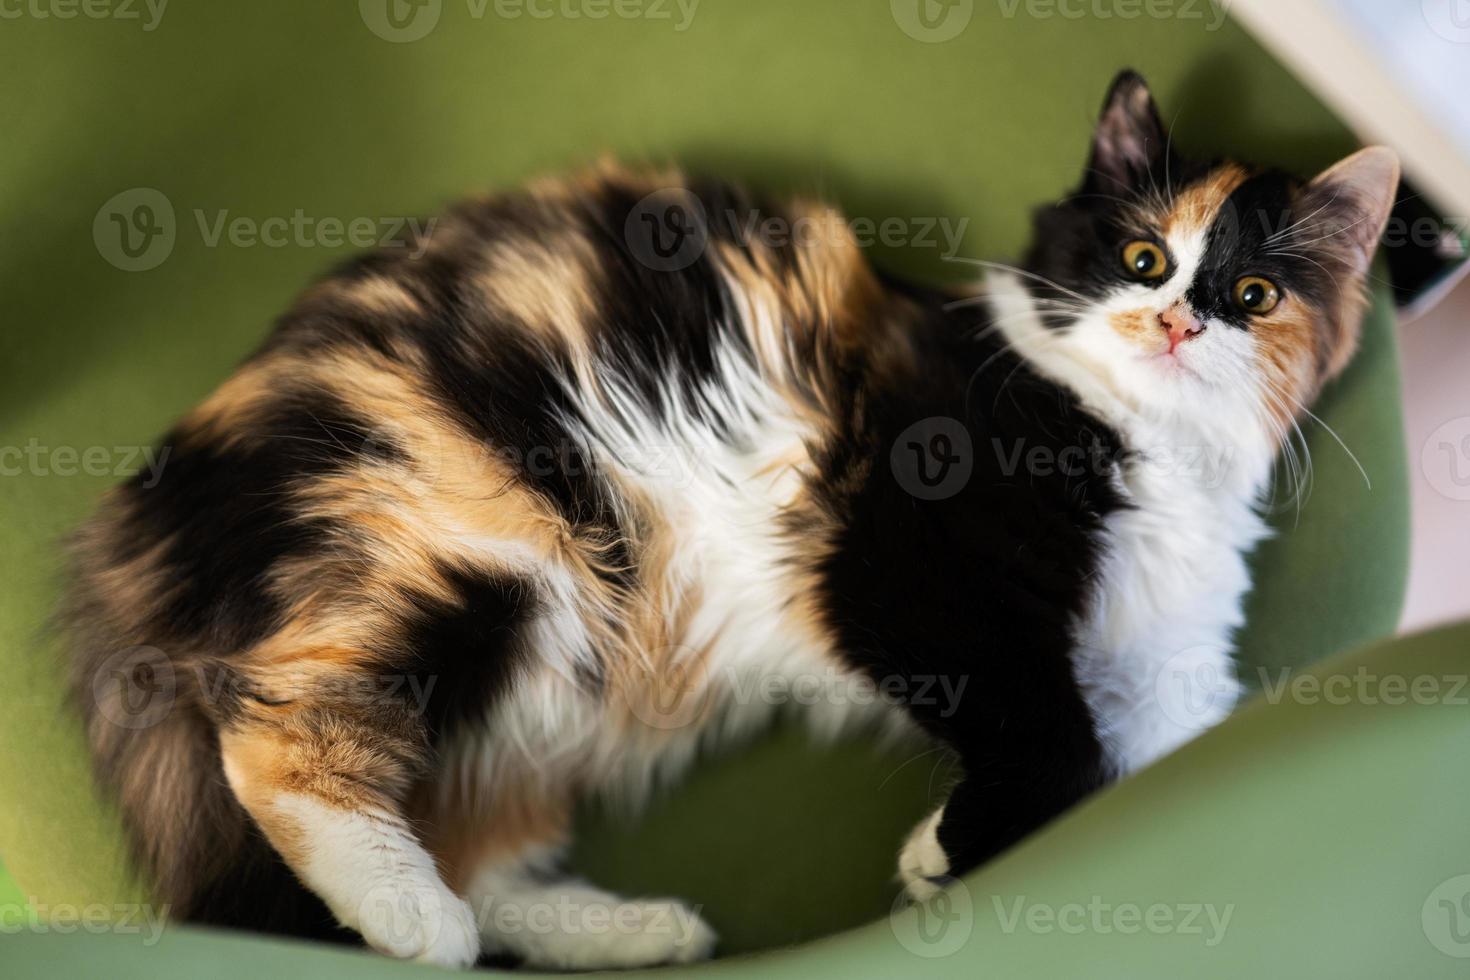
[
  {"x": 1256, "y": 296},
  {"x": 1145, "y": 260}
]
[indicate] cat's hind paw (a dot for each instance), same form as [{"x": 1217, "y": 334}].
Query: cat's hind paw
[{"x": 620, "y": 935}]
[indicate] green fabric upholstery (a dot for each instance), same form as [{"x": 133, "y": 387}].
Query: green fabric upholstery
[
  {"x": 1320, "y": 833},
  {"x": 264, "y": 108}
]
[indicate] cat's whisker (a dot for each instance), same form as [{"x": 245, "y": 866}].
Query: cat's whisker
[
  {"x": 1002, "y": 267},
  {"x": 1284, "y": 402},
  {"x": 1338, "y": 439},
  {"x": 1333, "y": 234},
  {"x": 1299, "y": 223},
  {"x": 908, "y": 762}
]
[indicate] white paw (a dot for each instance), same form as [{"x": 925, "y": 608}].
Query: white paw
[
  {"x": 922, "y": 862},
  {"x": 427, "y": 923},
  {"x": 606, "y": 934}
]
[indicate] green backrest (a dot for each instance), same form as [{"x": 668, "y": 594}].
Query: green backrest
[{"x": 257, "y": 110}]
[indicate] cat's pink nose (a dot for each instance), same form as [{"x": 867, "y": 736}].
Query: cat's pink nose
[{"x": 1180, "y": 323}]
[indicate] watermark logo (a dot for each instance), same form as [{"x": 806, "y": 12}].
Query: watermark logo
[
  {"x": 668, "y": 230},
  {"x": 1445, "y": 459},
  {"x": 1101, "y": 917},
  {"x": 38, "y": 459},
  {"x": 149, "y": 13},
  {"x": 135, "y": 688},
  {"x": 933, "y": 459},
  {"x": 678, "y": 12},
  {"x": 937, "y": 927},
  {"x": 400, "y": 918},
  {"x": 1446, "y": 917},
  {"x": 37, "y": 917},
  {"x": 135, "y": 230},
  {"x": 401, "y": 21},
  {"x": 404, "y": 21},
  {"x": 1212, "y": 13},
  {"x": 669, "y": 692},
  {"x": 1193, "y": 686},
  {"x": 1450, "y": 19},
  {"x": 932, "y": 21},
  {"x": 1364, "y": 687}
]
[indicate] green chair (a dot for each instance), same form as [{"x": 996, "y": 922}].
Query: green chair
[{"x": 1308, "y": 821}]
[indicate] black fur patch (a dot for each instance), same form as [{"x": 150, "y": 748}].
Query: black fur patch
[
  {"x": 979, "y": 589},
  {"x": 1256, "y": 234},
  {"x": 457, "y": 658},
  {"x": 227, "y": 515}
]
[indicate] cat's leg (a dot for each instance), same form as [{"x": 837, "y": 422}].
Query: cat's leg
[
  {"x": 984, "y": 816},
  {"x": 1021, "y": 770},
  {"x": 531, "y": 909},
  {"x": 325, "y": 777},
  {"x": 505, "y": 856}
]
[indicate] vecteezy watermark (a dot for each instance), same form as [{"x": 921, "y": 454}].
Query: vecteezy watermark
[
  {"x": 1447, "y": 237},
  {"x": 937, "y": 927},
  {"x": 97, "y": 919},
  {"x": 1195, "y": 687},
  {"x": 148, "y": 13},
  {"x": 1212, "y": 13},
  {"x": 1445, "y": 459},
  {"x": 36, "y": 459},
  {"x": 1450, "y": 19},
  {"x": 1445, "y": 917},
  {"x": 1366, "y": 687},
  {"x": 401, "y": 21},
  {"x": 934, "y": 458},
  {"x": 566, "y": 916},
  {"x": 671, "y": 228},
  {"x": 1099, "y": 916},
  {"x": 136, "y": 687},
  {"x": 137, "y": 230},
  {"x": 404, "y": 21},
  {"x": 1204, "y": 466},
  {"x": 672, "y": 689},
  {"x": 932, "y": 21},
  {"x": 667, "y": 230}
]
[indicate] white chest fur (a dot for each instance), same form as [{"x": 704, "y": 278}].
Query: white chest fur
[
  {"x": 1153, "y": 653},
  {"x": 1154, "y": 648}
]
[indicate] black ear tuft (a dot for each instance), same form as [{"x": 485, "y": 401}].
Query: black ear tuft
[{"x": 1130, "y": 147}]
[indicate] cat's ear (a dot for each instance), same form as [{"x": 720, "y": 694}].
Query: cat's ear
[
  {"x": 1130, "y": 146},
  {"x": 1359, "y": 193}
]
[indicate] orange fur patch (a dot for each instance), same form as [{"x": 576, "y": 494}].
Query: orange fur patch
[{"x": 1196, "y": 208}]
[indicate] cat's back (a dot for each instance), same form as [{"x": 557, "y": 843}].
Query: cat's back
[{"x": 586, "y": 407}]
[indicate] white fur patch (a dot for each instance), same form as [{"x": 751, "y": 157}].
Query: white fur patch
[
  {"x": 378, "y": 880},
  {"x": 567, "y": 924},
  {"x": 922, "y": 863},
  {"x": 1153, "y": 655},
  {"x": 722, "y": 493}
]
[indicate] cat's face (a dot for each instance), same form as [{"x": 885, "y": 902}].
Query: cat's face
[{"x": 1185, "y": 286}]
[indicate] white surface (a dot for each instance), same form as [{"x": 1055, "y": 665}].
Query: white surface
[
  {"x": 1436, "y": 352},
  {"x": 1355, "y": 63}
]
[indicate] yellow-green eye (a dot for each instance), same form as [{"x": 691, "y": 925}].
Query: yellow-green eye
[
  {"x": 1256, "y": 296},
  {"x": 1145, "y": 260}
]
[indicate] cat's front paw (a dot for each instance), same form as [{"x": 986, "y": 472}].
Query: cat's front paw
[
  {"x": 426, "y": 923},
  {"x": 923, "y": 866}
]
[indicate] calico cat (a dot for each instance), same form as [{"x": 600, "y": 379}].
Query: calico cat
[{"x": 510, "y": 517}]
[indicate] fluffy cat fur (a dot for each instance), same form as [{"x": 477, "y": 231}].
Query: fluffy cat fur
[{"x": 509, "y": 517}]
